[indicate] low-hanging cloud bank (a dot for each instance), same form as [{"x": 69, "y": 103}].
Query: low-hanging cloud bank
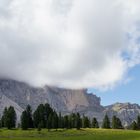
[{"x": 69, "y": 43}]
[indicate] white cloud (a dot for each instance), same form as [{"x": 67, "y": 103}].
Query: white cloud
[{"x": 72, "y": 44}]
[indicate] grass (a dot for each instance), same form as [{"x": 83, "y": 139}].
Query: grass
[{"x": 83, "y": 134}]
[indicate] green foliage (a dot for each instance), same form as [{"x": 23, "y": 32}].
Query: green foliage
[
  {"x": 116, "y": 123},
  {"x": 134, "y": 126},
  {"x": 66, "y": 122},
  {"x": 45, "y": 117},
  {"x": 138, "y": 122},
  {"x": 106, "y": 122},
  {"x": 9, "y": 118},
  {"x": 60, "y": 121},
  {"x": 29, "y": 117},
  {"x": 78, "y": 121},
  {"x": 95, "y": 123},
  {"x": 49, "y": 122},
  {"x": 42, "y": 114},
  {"x": 39, "y": 116},
  {"x": 54, "y": 120},
  {"x": 26, "y": 118},
  {"x": 4, "y": 117},
  {"x": 24, "y": 121}
]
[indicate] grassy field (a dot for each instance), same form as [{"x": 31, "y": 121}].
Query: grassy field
[{"x": 83, "y": 134}]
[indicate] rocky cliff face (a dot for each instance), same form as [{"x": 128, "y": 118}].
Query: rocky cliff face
[
  {"x": 19, "y": 95},
  {"x": 125, "y": 111}
]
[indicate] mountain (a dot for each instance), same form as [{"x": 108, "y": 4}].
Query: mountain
[
  {"x": 19, "y": 95},
  {"x": 125, "y": 111}
]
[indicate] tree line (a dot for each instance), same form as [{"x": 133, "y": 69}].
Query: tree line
[{"x": 46, "y": 117}]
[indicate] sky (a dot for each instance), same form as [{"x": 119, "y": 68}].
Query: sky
[
  {"x": 72, "y": 44},
  {"x": 129, "y": 92}
]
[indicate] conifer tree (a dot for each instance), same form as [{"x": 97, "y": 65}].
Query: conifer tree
[
  {"x": 66, "y": 122},
  {"x": 39, "y": 116},
  {"x": 60, "y": 121},
  {"x": 4, "y": 117},
  {"x": 106, "y": 122},
  {"x": 24, "y": 120},
  {"x": 78, "y": 121},
  {"x": 54, "y": 120},
  {"x": 29, "y": 116},
  {"x": 10, "y": 118},
  {"x": 85, "y": 122},
  {"x": 49, "y": 122},
  {"x": 95, "y": 123},
  {"x": 138, "y": 122},
  {"x": 134, "y": 125},
  {"x": 116, "y": 123}
]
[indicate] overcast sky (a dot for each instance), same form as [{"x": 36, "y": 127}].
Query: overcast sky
[{"x": 69, "y": 43}]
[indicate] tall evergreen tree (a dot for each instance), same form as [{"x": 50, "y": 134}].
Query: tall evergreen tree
[
  {"x": 95, "y": 123},
  {"x": 70, "y": 119},
  {"x": 39, "y": 116},
  {"x": 66, "y": 122},
  {"x": 73, "y": 120},
  {"x": 47, "y": 111},
  {"x": 10, "y": 118},
  {"x": 29, "y": 116},
  {"x": 78, "y": 121},
  {"x": 85, "y": 122},
  {"x": 106, "y": 122},
  {"x": 4, "y": 117},
  {"x": 60, "y": 121},
  {"x": 133, "y": 125},
  {"x": 55, "y": 120},
  {"x": 24, "y": 120},
  {"x": 49, "y": 123},
  {"x": 138, "y": 122},
  {"x": 116, "y": 123}
]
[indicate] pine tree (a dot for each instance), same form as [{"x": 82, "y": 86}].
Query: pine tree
[
  {"x": 10, "y": 118},
  {"x": 116, "y": 123},
  {"x": 60, "y": 121},
  {"x": 78, "y": 121},
  {"x": 4, "y": 117},
  {"x": 24, "y": 121},
  {"x": 134, "y": 125},
  {"x": 85, "y": 122},
  {"x": 66, "y": 122},
  {"x": 39, "y": 116},
  {"x": 119, "y": 124},
  {"x": 70, "y": 119},
  {"x": 49, "y": 122},
  {"x": 95, "y": 123},
  {"x": 138, "y": 122},
  {"x": 73, "y": 120},
  {"x": 54, "y": 120},
  {"x": 106, "y": 122},
  {"x": 29, "y": 116},
  {"x": 47, "y": 111}
]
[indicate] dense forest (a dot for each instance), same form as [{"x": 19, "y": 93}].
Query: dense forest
[{"x": 46, "y": 117}]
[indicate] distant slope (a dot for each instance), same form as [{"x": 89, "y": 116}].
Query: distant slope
[{"x": 125, "y": 111}]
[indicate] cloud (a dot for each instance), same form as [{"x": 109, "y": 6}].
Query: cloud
[{"x": 71, "y": 44}]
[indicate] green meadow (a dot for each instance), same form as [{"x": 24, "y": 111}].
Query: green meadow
[{"x": 83, "y": 134}]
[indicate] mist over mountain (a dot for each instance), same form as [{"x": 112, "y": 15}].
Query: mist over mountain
[
  {"x": 19, "y": 95},
  {"x": 69, "y": 43}
]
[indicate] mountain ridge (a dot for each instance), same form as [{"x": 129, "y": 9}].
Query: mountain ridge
[{"x": 20, "y": 94}]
